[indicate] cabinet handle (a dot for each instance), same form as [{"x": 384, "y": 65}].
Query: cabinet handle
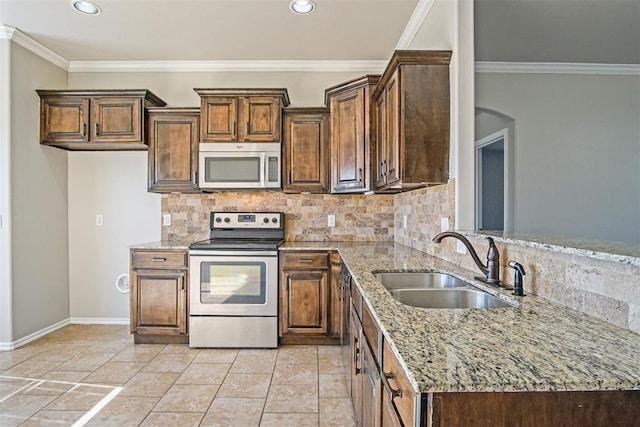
[
  {"x": 359, "y": 174},
  {"x": 158, "y": 259},
  {"x": 305, "y": 261},
  {"x": 96, "y": 128},
  {"x": 233, "y": 128},
  {"x": 182, "y": 284},
  {"x": 393, "y": 393},
  {"x": 84, "y": 129},
  {"x": 247, "y": 133},
  {"x": 356, "y": 354},
  {"x": 194, "y": 177}
]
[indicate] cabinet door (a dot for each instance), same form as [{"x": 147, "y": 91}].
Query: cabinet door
[
  {"x": 389, "y": 417},
  {"x": 306, "y": 151},
  {"x": 116, "y": 120},
  {"x": 392, "y": 130},
  {"x": 356, "y": 366},
  {"x": 64, "y": 119},
  {"x": 349, "y": 151},
  {"x": 158, "y": 302},
  {"x": 304, "y": 302},
  {"x": 260, "y": 119},
  {"x": 173, "y": 152},
  {"x": 219, "y": 116},
  {"x": 381, "y": 141},
  {"x": 371, "y": 388}
]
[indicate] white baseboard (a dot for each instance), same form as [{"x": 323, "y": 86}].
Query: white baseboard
[
  {"x": 99, "y": 320},
  {"x": 7, "y": 346}
]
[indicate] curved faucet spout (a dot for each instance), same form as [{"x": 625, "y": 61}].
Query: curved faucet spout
[{"x": 492, "y": 269}]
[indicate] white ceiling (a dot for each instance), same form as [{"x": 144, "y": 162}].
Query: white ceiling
[
  {"x": 213, "y": 30},
  {"x": 583, "y": 31}
]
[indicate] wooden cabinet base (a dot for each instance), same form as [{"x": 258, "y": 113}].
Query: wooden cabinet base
[
  {"x": 536, "y": 409},
  {"x": 160, "y": 339},
  {"x": 309, "y": 340}
]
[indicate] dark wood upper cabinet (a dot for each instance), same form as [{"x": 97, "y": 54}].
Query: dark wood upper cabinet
[
  {"x": 173, "y": 149},
  {"x": 352, "y": 119},
  {"x": 243, "y": 115},
  {"x": 306, "y": 150},
  {"x": 96, "y": 119},
  {"x": 412, "y": 127}
]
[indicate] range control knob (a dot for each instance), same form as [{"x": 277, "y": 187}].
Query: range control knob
[
  {"x": 274, "y": 220},
  {"x": 266, "y": 220},
  {"x": 218, "y": 219},
  {"x": 227, "y": 219}
]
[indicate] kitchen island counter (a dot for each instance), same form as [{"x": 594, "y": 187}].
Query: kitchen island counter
[{"x": 535, "y": 346}]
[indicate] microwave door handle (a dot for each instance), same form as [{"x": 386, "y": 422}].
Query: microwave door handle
[{"x": 265, "y": 171}]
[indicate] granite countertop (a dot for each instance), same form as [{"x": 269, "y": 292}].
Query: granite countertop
[
  {"x": 162, "y": 244},
  {"x": 536, "y": 346}
]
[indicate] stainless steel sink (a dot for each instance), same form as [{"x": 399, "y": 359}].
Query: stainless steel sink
[
  {"x": 448, "y": 298},
  {"x": 410, "y": 280}
]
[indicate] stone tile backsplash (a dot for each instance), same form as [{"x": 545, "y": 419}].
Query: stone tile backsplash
[
  {"x": 605, "y": 289},
  {"x": 358, "y": 217}
]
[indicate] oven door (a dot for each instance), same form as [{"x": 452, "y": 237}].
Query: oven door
[{"x": 233, "y": 283}]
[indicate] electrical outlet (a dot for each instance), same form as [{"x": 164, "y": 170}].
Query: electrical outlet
[
  {"x": 460, "y": 247},
  {"x": 404, "y": 221},
  {"x": 99, "y": 220},
  {"x": 166, "y": 219},
  {"x": 444, "y": 224},
  {"x": 331, "y": 220}
]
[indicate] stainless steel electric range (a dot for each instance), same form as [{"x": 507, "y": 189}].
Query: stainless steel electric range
[{"x": 233, "y": 281}]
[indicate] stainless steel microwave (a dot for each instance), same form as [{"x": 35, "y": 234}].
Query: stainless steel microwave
[{"x": 239, "y": 165}]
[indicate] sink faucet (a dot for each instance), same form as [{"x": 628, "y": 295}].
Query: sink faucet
[{"x": 492, "y": 269}]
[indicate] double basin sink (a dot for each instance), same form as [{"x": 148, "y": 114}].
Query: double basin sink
[{"x": 437, "y": 290}]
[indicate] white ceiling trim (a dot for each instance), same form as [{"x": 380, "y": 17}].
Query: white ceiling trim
[
  {"x": 20, "y": 38},
  {"x": 415, "y": 22},
  {"x": 220, "y": 66},
  {"x": 556, "y": 68}
]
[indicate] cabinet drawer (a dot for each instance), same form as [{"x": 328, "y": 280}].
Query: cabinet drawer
[
  {"x": 158, "y": 259},
  {"x": 397, "y": 386},
  {"x": 372, "y": 333},
  {"x": 304, "y": 260}
]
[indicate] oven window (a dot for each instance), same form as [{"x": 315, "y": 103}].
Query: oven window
[
  {"x": 233, "y": 283},
  {"x": 232, "y": 169}
]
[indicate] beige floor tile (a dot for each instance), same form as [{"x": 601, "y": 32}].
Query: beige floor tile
[
  {"x": 53, "y": 418},
  {"x": 68, "y": 376},
  {"x": 114, "y": 373},
  {"x": 333, "y": 385},
  {"x": 149, "y": 384},
  {"x": 336, "y": 412},
  {"x": 12, "y": 385},
  {"x": 296, "y": 374},
  {"x": 252, "y": 363},
  {"x": 245, "y": 385},
  {"x": 88, "y": 361},
  {"x": 232, "y": 412},
  {"x": 204, "y": 373},
  {"x": 172, "y": 362},
  {"x": 180, "y": 349},
  {"x": 138, "y": 353},
  {"x": 292, "y": 398},
  {"x": 187, "y": 398},
  {"x": 293, "y": 354},
  {"x": 48, "y": 388},
  {"x": 123, "y": 411},
  {"x": 18, "y": 408},
  {"x": 31, "y": 369},
  {"x": 164, "y": 419},
  {"x": 282, "y": 420},
  {"x": 59, "y": 353},
  {"x": 216, "y": 355},
  {"x": 9, "y": 359},
  {"x": 80, "y": 398},
  {"x": 330, "y": 363}
]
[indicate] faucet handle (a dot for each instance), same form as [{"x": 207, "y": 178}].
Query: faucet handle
[{"x": 518, "y": 289}]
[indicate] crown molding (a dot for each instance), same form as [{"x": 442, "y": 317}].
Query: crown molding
[
  {"x": 21, "y": 39},
  {"x": 221, "y": 66},
  {"x": 415, "y": 22},
  {"x": 556, "y": 68}
]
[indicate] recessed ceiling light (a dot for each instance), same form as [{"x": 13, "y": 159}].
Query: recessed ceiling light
[
  {"x": 85, "y": 7},
  {"x": 302, "y": 7}
]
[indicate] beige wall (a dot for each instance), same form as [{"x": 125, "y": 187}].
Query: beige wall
[
  {"x": 39, "y": 240},
  {"x": 6, "y": 330}
]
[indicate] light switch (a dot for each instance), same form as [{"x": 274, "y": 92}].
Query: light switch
[
  {"x": 444, "y": 224},
  {"x": 460, "y": 247},
  {"x": 331, "y": 220},
  {"x": 166, "y": 219},
  {"x": 404, "y": 221},
  {"x": 99, "y": 220}
]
